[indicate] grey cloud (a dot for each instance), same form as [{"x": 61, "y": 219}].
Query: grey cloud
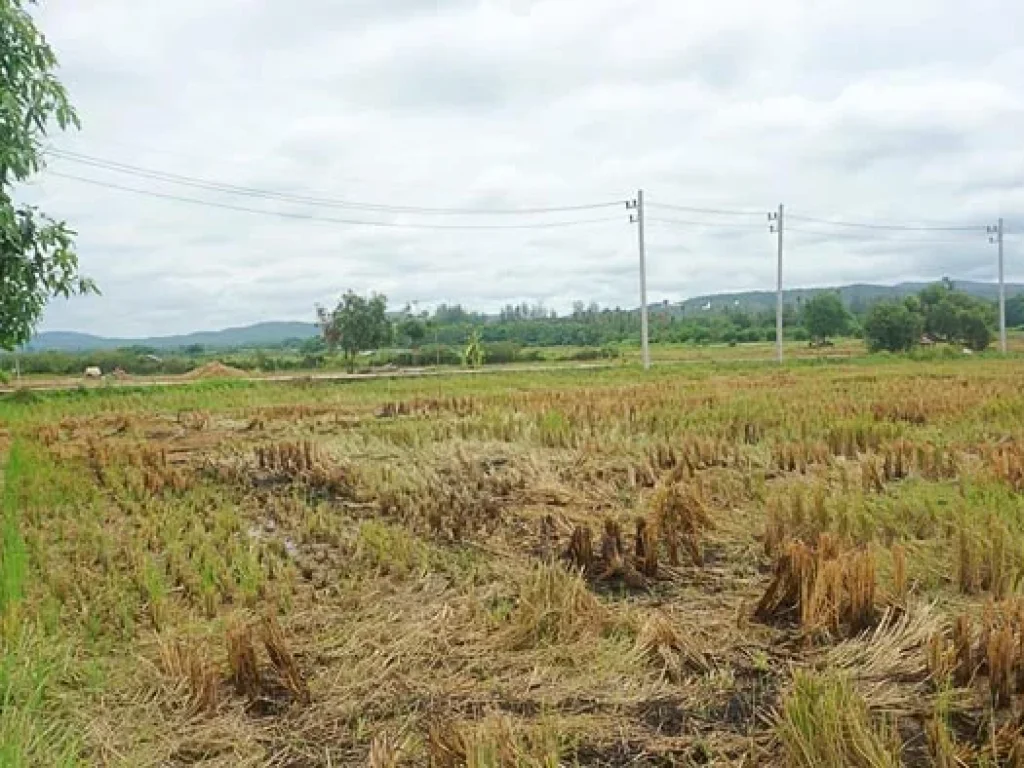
[
  {"x": 861, "y": 145},
  {"x": 863, "y": 111},
  {"x": 429, "y": 79}
]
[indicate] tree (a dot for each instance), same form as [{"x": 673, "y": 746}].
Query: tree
[
  {"x": 824, "y": 315},
  {"x": 357, "y": 323},
  {"x": 892, "y": 326},
  {"x": 313, "y": 345},
  {"x": 955, "y": 316},
  {"x": 975, "y": 329},
  {"x": 1015, "y": 311},
  {"x": 414, "y": 330},
  {"x": 37, "y": 257}
]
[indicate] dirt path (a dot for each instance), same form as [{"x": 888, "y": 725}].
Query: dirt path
[{"x": 58, "y": 385}]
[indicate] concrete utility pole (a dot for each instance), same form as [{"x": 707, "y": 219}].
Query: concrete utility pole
[
  {"x": 996, "y": 236},
  {"x": 638, "y": 219},
  {"x": 776, "y": 219}
]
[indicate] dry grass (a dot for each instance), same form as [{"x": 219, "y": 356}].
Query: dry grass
[
  {"x": 553, "y": 607},
  {"x": 673, "y": 649},
  {"x": 191, "y": 676},
  {"x": 533, "y": 571},
  {"x": 245, "y": 673},
  {"x": 823, "y": 587},
  {"x": 680, "y": 517},
  {"x": 283, "y": 661}
]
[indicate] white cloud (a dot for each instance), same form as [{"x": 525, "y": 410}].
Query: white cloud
[{"x": 877, "y": 110}]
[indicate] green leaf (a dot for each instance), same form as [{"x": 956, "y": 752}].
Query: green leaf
[{"x": 37, "y": 257}]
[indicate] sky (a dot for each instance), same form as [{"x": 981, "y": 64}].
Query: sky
[{"x": 869, "y": 112}]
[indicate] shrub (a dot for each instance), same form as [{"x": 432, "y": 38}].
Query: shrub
[
  {"x": 974, "y": 330},
  {"x": 891, "y": 326},
  {"x": 439, "y": 354},
  {"x": 530, "y": 356},
  {"x": 593, "y": 353},
  {"x": 501, "y": 352},
  {"x": 581, "y": 355}
]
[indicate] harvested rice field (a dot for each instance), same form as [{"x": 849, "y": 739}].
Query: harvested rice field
[{"x": 742, "y": 565}]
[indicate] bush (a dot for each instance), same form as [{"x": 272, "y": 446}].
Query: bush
[
  {"x": 592, "y": 353},
  {"x": 938, "y": 352},
  {"x": 954, "y": 316},
  {"x": 312, "y": 360},
  {"x": 439, "y": 354},
  {"x": 530, "y": 356},
  {"x": 74, "y": 363},
  {"x": 701, "y": 335},
  {"x": 974, "y": 330},
  {"x": 583, "y": 355},
  {"x": 501, "y": 352},
  {"x": 893, "y": 327}
]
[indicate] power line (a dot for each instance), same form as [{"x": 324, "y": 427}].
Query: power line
[
  {"x": 328, "y": 219},
  {"x": 326, "y": 202},
  {"x": 714, "y": 211},
  {"x": 236, "y": 160},
  {"x": 903, "y": 227},
  {"x": 864, "y": 237},
  {"x": 690, "y": 223}
]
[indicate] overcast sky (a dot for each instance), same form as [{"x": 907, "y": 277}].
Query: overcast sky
[{"x": 866, "y": 111}]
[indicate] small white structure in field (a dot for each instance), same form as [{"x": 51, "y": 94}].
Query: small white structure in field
[{"x": 93, "y": 372}]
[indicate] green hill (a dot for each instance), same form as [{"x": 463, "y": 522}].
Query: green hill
[{"x": 258, "y": 335}]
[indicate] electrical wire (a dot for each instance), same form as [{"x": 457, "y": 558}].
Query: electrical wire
[
  {"x": 326, "y": 202},
  {"x": 714, "y": 211},
  {"x": 868, "y": 238},
  {"x": 894, "y": 227},
  {"x": 689, "y": 223},
  {"x": 328, "y": 219}
]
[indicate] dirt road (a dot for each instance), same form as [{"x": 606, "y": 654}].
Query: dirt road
[{"x": 72, "y": 383}]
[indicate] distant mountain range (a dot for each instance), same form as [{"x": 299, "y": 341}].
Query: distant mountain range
[
  {"x": 260, "y": 334},
  {"x": 274, "y": 333}
]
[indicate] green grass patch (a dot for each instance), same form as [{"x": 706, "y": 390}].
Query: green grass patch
[
  {"x": 34, "y": 728},
  {"x": 825, "y": 723}
]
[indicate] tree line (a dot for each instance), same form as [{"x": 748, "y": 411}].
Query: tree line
[
  {"x": 361, "y": 332},
  {"x": 937, "y": 314}
]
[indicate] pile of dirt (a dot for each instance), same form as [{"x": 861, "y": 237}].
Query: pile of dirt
[{"x": 215, "y": 370}]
